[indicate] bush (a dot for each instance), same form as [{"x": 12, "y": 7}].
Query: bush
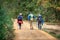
[
  {"x": 58, "y": 36},
  {"x": 6, "y": 28}
]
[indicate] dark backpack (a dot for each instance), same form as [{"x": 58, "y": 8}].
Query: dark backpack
[
  {"x": 19, "y": 17},
  {"x": 39, "y": 19}
]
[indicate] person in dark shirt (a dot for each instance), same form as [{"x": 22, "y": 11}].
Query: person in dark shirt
[
  {"x": 19, "y": 19},
  {"x": 40, "y": 21}
]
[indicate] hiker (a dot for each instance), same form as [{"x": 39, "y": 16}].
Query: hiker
[
  {"x": 30, "y": 19},
  {"x": 40, "y": 21},
  {"x": 19, "y": 19}
]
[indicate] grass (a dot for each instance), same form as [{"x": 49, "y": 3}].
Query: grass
[{"x": 53, "y": 34}]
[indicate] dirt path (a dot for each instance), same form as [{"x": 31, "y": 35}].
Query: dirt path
[{"x": 26, "y": 34}]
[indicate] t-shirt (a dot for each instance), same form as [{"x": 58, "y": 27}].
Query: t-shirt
[{"x": 30, "y": 17}]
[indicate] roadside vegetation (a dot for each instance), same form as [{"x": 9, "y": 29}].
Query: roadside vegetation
[{"x": 50, "y": 10}]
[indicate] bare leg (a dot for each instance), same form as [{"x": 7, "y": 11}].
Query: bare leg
[{"x": 31, "y": 27}]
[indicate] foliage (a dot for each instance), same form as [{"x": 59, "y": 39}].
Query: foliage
[
  {"x": 55, "y": 35},
  {"x": 11, "y": 9},
  {"x": 6, "y": 28},
  {"x": 44, "y": 7},
  {"x": 55, "y": 4}
]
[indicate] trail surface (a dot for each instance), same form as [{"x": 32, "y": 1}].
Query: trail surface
[{"x": 26, "y": 34}]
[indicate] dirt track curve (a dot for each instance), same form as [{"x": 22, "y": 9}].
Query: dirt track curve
[{"x": 26, "y": 34}]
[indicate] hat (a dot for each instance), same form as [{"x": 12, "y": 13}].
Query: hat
[
  {"x": 39, "y": 14},
  {"x": 20, "y": 13}
]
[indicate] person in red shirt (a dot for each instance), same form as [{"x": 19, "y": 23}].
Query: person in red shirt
[{"x": 19, "y": 19}]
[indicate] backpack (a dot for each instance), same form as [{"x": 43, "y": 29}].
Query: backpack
[
  {"x": 40, "y": 19},
  {"x": 31, "y": 17},
  {"x": 19, "y": 17}
]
